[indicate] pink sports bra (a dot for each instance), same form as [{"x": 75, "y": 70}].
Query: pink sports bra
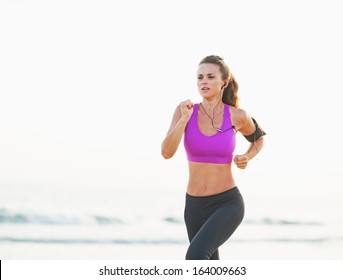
[{"x": 217, "y": 148}]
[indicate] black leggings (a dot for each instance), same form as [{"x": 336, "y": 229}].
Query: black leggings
[{"x": 210, "y": 221}]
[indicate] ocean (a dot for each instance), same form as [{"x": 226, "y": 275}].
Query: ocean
[{"x": 40, "y": 217}]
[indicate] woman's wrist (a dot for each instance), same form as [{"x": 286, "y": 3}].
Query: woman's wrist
[{"x": 184, "y": 119}]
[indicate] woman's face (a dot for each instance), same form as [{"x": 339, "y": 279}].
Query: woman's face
[{"x": 209, "y": 80}]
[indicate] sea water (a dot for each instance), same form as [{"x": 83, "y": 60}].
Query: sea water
[{"x": 32, "y": 214}]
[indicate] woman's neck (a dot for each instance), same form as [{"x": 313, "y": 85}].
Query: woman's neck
[{"x": 210, "y": 104}]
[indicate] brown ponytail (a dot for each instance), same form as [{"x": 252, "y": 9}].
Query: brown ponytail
[{"x": 230, "y": 94}]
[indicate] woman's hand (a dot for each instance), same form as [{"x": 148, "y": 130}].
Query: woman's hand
[
  {"x": 241, "y": 161},
  {"x": 186, "y": 109},
  {"x": 182, "y": 114}
]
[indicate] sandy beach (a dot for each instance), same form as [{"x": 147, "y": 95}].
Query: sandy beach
[{"x": 234, "y": 250}]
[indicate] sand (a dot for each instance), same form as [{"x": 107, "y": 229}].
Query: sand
[{"x": 233, "y": 251}]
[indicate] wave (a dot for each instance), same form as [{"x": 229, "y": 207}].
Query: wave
[
  {"x": 11, "y": 217},
  {"x": 91, "y": 241},
  {"x": 156, "y": 241},
  {"x": 284, "y": 222}
]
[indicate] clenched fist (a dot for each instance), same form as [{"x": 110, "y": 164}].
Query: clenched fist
[
  {"x": 186, "y": 108},
  {"x": 241, "y": 161}
]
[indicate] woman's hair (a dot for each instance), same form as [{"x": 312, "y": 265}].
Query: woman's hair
[{"x": 230, "y": 94}]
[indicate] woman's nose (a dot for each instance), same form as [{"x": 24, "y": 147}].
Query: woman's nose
[{"x": 203, "y": 82}]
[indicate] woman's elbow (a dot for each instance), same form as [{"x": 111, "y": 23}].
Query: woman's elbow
[
  {"x": 261, "y": 142},
  {"x": 166, "y": 154}
]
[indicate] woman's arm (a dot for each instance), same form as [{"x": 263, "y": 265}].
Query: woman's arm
[
  {"x": 247, "y": 127},
  {"x": 181, "y": 116}
]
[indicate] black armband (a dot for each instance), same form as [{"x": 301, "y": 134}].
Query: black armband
[{"x": 257, "y": 134}]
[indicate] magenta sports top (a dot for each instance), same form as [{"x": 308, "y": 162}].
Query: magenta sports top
[{"x": 216, "y": 148}]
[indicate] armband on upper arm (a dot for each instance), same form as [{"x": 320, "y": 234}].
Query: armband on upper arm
[{"x": 257, "y": 134}]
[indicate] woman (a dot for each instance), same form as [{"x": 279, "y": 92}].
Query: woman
[{"x": 214, "y": 206}]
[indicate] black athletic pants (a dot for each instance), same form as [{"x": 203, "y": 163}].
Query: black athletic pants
[{"x": 210, "y": 221}]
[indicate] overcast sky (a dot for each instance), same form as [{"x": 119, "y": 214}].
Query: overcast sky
[{"x": 88, "y": 88}]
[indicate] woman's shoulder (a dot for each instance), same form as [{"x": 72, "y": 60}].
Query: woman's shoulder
[
  {"x": 239, "y": 117},
  {"x": 238, "y": 114}
]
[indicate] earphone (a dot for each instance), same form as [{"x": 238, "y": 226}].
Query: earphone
[{"x": 220, "y": 130}]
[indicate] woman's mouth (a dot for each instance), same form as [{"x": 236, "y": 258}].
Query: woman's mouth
[{"x": 205, "y": 88}]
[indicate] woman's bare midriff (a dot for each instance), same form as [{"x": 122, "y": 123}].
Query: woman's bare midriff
[{"x": 209, "y": 178}]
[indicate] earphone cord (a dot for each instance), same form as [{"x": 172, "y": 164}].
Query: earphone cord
[{"x": 212, "y": 119}]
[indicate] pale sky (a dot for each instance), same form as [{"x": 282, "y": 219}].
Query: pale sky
[{"x": 88, "y": 88}]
